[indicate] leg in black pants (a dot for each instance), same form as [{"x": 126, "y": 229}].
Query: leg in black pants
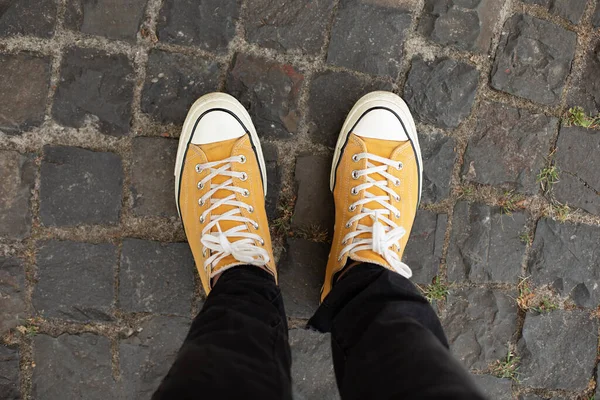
[{"x": 387, "y": 342}]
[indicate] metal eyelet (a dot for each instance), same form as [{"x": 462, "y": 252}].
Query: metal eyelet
[
  {"x": 397, "y": 215},
  {"x": 202, "y": 219},
  {"x": 397, "y": 197},
  {"x": 246, "y": 193},
  {"x": 204, "y": 251},
  {"x": 354, "y": 191},
  {"x": 242, "y": 159},
  {"x": 397, "y": 182},
  {"x": 244, "y": 176},
  {"x": 352, "y": 208},
  {"x": 262, "y": 242},
  {"x": 200, "y": 202},
  {"x": 348, "y": 225},
  {"x": 198, "y": 168},
  {"x": 355, "y": 158},
  {"x": 200, "y": 185},
  {"x": 355, "y": 174},
  {"x": 400, "y": 166},
  {"x": 255, "y": 225},
  {"x": 250, "y": 209}
]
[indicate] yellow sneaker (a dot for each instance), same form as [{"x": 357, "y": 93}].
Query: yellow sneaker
[
  {"x": 376, "y": 182},
  {"x": 220, "y": 188}
]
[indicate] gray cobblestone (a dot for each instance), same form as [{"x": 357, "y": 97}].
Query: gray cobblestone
[
  {"x": 495, "y": 388},
  {"x": 423, "y": 252},
  {"x": 270, "y": 154},
  {"x": 439, "y": 155},
  {"x": 24, "y": 84},
  {"x": 18, "y": 175},
  {"x": 585, "y": 91},
  {"x": 9, "y": 373},
  {"x": 533, "y": 59},
  {"x": 596, "y": 16},
  {"x": 17, "y": 16},
  {"x": 75, "y": 281},
  {"x": 80, "y": 187},
  {"x": 13, "y": 309}
]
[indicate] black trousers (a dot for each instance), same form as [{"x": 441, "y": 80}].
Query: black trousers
[{"x": 387, "y": 342}]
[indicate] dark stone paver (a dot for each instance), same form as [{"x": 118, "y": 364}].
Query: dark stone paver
[
  {"x": 568, "y": 336},
  {"x": 533, "y": 59},
  {"x": 75, "y": 281},
  {"x": 495, "y": 388},
  {"x": 312, "y": 368},
  {"x": 467, "y": 25},
  {"x": 441, "y": 92},
  {"x": 109, "y": 18},
  {"x": 209, "y": 24},
  {"x": 301, "y": 274},
  {"x": 585, "y": 88},
  {"x": 146, "y": 357},
  {"x": 424, "y": 248},
  {"x": 153, "y": 160},
  {"x": 80, "y": 186},
  {"x": 93, "y": 83},
  {"x": 24, "y": 84},
  {"x": 271, "y": 154},
  {"x": 569, "y": 9},
  {"x": 596, "y": 17},
  {"x": 332, "y": 95},
  {"x": 485, "y": 244},
  {"x": 578, "y": 163},
  {"x": 294, "y": 26},
  {"x": 27, "y": 17},
  {"x": 12, "y": 295},
  {"x": 18, "y": 177},
  {"x": 270, "y": 93},
  {"x": 174, "y": 82},
  {"x": 73, "y": 367},
  {"x": 368, "y": 37},
  {"x": 565, "y": 256},
  {"x": 155, "y": 277},
  {"x": 479, "y": 324},
  {"x": 312, "y": 177},
  {"x": 439, "y": 155},
  {"x": 508, "y": 147},
  {"x": 9, "y": 373}
]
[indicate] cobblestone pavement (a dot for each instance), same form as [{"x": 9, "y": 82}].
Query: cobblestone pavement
[{"x": 97, "y": 287}]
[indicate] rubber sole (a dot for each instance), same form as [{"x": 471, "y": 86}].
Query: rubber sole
[
  {"x": 369, "y": 101},
  {"x": 197, "y": 110}
]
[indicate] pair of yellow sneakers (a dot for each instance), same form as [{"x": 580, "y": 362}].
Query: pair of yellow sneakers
[{"x": 221, "y": 184}]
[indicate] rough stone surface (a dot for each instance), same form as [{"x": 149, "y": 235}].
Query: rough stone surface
[
  {"x": 270, "y": 93},
  {"x": 174, "y": 82},
  {"x": 479, "y": 324},
  {"x": 441, "y": 92},
  {"x": 495, "y": 388},
  {"x": 27, "y": 17},
  {"x": 145, "y": 357},
  {"x": 301, "y": 274},
  {"x": 569, "y": 9},
  {"x": 112, "y": 19},
  {"x": 9, "y": 373},
  {"x": 568, "y": 336},
  {"x": 12, "y": 295},
  {"x": 80, "y": 187},
  {"x": 332, "y": 95},
  {"x": 152, "y": 176},
  {"x": 565, "y": 256},
  {"x": 151, "y": 273},
  {"x": 485, "y": 244},
  {"x": 596, "y": 17},
  {"x": 312, "y": 177},
  {"x": 312, "y": 368},
  {"x": 439, "y": 156},
  {"x": 508, "y": 147},
  {"x": 209, "y": 24},
  {"x": 294, "y": 26},
  {"x": 533, "y": 59},
  {"x": 368, "y": 37},
  {"x": 73, "y": 367},
  {"x": 585, "y": 88},
  {"x": 424, "y": 249},
  {"x": 270, "y": 154},
  {"x": 96, "y": 86},
  {"x": 24, "y": 84},
  {"x": 75, "y": 281},
  {"x": 578, "y": 163},
  {"x": 465, "y": 25},
  {"x": 18, "y": 176}
]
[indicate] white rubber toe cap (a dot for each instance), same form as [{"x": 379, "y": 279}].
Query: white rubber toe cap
[
  {"x": 380, "y": 123},
  {"x": 217, "y": 126}
]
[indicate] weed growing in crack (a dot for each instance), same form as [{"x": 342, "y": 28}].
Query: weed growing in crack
[
  {"x": 547, "y": 177},
  {"x": 437, "y": 290},
  {"x": 577, "y": 116},
  {"x": 507, "y": 368}
]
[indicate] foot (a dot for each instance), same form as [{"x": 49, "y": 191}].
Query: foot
[
  {"x": 220, "y": 188},
  {"x": 376, "y": 182}
]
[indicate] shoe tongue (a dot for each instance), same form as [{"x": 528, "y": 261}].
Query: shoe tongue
[{"x": 382, "y": 148}]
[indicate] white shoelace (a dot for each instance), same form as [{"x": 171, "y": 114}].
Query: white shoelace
[
  {"x": 244, "y": 250},
  {"x": 384, "y": 233}
]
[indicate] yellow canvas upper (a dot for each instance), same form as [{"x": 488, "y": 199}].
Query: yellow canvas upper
[{"x": 401, "y": 151}]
